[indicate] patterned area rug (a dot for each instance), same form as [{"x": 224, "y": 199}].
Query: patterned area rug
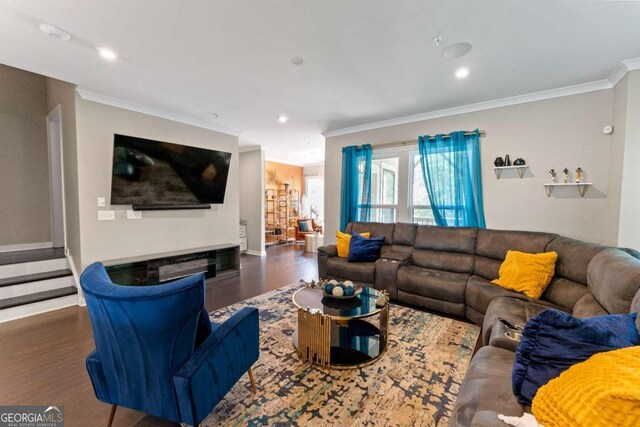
[{"x": 415, "y": 383}]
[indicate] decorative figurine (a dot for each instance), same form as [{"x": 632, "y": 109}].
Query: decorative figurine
[
  {"x": 553, "y": 175},
  {"x": 498, "y": 162},
  {"x": 566, "y": 175},
  {"x": 519, "y": 162},
  {"x": 579, "y": 173},
  {"x": 507, "y": 160}
]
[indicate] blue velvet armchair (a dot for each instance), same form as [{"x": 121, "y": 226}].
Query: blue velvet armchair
[{"x": 156, "y": 350}]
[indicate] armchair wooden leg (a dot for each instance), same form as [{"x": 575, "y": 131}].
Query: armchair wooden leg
[
  {"x": 113, "y": 414},
  {"x": 253, "y": 382}
]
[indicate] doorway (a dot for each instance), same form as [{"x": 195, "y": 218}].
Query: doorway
[
  {"x": 314, "y": 198},
  {"x": 54, "y": 136}
]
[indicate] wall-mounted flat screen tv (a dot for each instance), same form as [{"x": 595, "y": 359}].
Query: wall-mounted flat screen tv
[{"x": 148, "y": 172}]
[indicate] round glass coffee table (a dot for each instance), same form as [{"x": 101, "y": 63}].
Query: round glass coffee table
[{"x": 340, "y": 333}]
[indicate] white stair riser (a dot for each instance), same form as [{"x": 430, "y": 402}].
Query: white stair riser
[
  {"x": 33, "y": 287},
  {"x": 22, "y": 269},
  {"x": 37, "y": 307}
]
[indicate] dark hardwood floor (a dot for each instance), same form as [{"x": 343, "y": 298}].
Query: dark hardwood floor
[{"x": 42, "y": 357}]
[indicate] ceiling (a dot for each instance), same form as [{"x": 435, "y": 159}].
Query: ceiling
[{"x": 364, "y": 60}]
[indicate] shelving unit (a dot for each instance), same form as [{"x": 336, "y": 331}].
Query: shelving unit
[
  {"x": 581, "y": 186},
  {"x": 281, "y": 212},
  {"x": 521, "y": 170}
]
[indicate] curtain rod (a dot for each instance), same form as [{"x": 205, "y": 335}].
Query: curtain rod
[{"x": 415, "y": 141}]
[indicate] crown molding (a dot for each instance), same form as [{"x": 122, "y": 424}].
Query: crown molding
[
  {"x": 131, "y": 106},
  {"x": 488, "y": 105},
  {"x": 622, "y": 69},
  {"x": 249, "y": 148}
]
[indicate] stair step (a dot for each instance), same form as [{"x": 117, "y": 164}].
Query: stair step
[
  {"x": 37, "y": 297},
  {"x": 17, "y": 257},
  {"x": 34, "y": 267},
  {"x": 10, "y": 281}
]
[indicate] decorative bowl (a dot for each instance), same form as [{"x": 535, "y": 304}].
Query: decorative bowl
[{"x": 357, "y": 291}]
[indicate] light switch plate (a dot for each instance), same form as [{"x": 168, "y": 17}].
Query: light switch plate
[
  {"x": 102, "y": 202},
  {"x": 106, "y": 215},
  {"x": 131, "y": 214}
]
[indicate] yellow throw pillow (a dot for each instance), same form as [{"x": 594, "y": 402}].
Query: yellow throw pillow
[
  {"x": 342, "y": 242},
  {"x": 527, "y": 273},
  {"x": 602, "y": 391}
]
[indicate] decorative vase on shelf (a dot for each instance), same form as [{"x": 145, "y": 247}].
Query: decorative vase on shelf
[
  {"x": 553, "y": 174},
  {"x": 507, "y": 160},
  {"x": 498, "y": 162},
  {"x": 519, "y": 162}
]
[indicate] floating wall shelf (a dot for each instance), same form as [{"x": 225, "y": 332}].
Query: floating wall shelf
[
  {"x": 521, "y": 169},
  {"x": 581, "y": 186}
]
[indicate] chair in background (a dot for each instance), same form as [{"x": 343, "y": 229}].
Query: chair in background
[
  {"x": 156, "y": 350},
  {"x": 306, "y": 226}
]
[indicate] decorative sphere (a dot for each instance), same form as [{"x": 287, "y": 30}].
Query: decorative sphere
[
  {"x": 329, "y": 288},
  {"x": 341, "y": 285},
  {"x": 333, "y": 282},
  {"x": 337, "y": 291},
  {"x": 348, "y": 283},
  {"x": 349, "y": 291}
]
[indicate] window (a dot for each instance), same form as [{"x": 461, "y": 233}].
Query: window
[
  {"x": 419, "y": 208},
  {"x": 384, "y": 189},
  {"x": 398, "y": 191}
]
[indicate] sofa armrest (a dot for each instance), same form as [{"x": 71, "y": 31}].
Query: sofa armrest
[
  {"x": 216, "y": 365},
  {"x": 488, "y": 419},
  {"x": 387, "y": 267},
  {"x": 329, "y": 250}
]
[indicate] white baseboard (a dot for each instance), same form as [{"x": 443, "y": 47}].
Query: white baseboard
[
  {"x": 256, "y": 253},
  {"x": 26, "y": 246}
]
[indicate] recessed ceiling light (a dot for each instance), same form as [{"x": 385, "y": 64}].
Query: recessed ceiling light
[
  {"x": 462, "y": 72},
  {"x": 213, "y": 115},
  {"x": 296, "y": 60},
  {"x": 55, "y": 32},
  {"x": 283, "y": 119},
  {"x": 456, "y": 50},
  {"x": 107, "y": 53}
]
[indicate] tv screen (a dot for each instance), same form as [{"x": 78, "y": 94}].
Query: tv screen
[{"x": 148, "y": 172}]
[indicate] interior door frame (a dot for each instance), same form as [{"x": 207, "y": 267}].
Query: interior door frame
[{"x": 56, "y": 178}]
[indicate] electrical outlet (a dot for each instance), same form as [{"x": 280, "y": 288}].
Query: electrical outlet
[
  {"x": 131, "y": 214},
  {"x": 102, "y": 202},
  {"x": 106, "y": 215}
]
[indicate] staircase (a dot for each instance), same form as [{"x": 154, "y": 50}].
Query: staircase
[{"x": 35, "y": 281}]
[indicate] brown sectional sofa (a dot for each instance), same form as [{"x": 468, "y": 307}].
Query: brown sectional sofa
[{"x": 449, "y": 270}]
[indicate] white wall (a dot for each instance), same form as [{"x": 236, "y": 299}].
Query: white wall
[
  {"x": 252, "y": 198},
  {"x": 629, "y": 230},
  {"x": 156, "y": 232},
  {"x": 555, "y": 133}
]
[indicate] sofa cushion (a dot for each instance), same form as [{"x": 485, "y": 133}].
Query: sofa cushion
[
  {"x": 377, "y": 229},
  {"x": 340, "y": 268},
  {"x": 428, "y": 282},
  {"x": 588, "y": 306},
  {"x": 492, "y": 247},
  {"x": 449, "y": 261},
  {"x": 480, "y": 292},
  {"x": 564, "y": 292},
  {"x": 452, "y": 308},
  {"x": 342, "y": 243},
  {"x": 515, "y": 311},
  {"x": 446, "y": 239},
  {"x": 573, "y": 257},
  {"x": 486, "y": 387},
  {"x": 553, "y": 341},
  {"x": 404, "y": 234},
  {"x": 614, "y": 279}
]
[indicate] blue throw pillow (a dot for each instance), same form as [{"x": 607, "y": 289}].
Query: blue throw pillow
[
  {"x": 553, "y": 341},
  {"x": 362, "y": 249}
]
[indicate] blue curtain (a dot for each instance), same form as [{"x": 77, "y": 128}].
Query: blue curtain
[
  {"x": 451, "y": 170},
  {"x": 355, "y": 198}
]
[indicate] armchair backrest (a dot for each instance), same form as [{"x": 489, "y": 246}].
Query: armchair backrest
[{"x": 143, "y": 336}]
